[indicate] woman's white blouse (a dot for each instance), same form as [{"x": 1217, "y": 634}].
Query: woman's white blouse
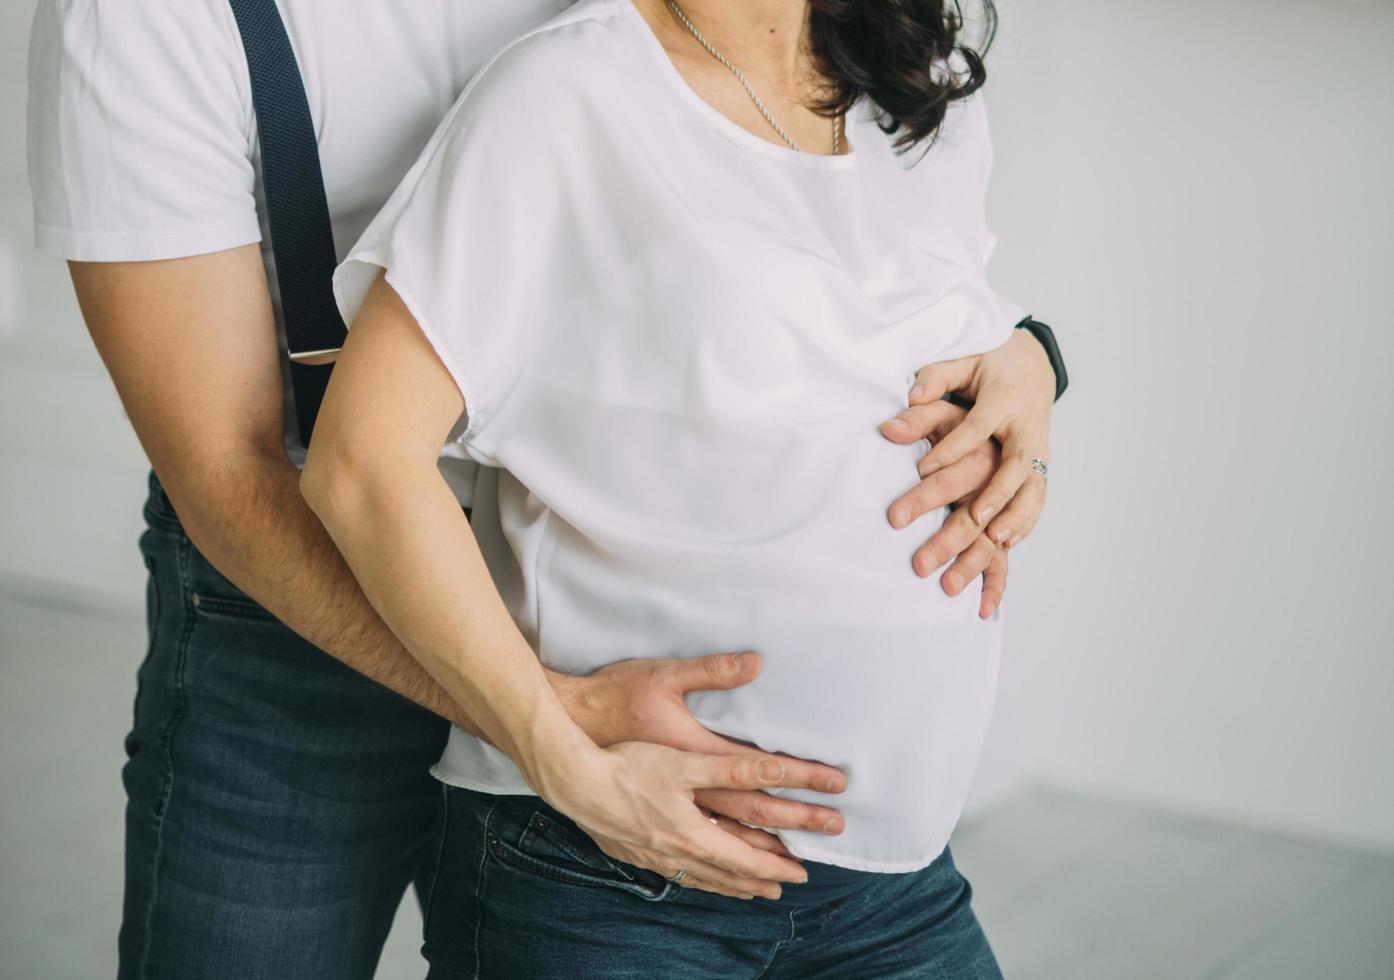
[{"x": 675, "y": 342}]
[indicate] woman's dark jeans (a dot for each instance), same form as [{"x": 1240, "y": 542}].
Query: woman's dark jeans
[
  {"x": 521, "y": 893},
  {"x": 279, "y": 803}
]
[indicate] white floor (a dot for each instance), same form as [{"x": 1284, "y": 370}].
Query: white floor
[{"x": 1068, "y": 888}]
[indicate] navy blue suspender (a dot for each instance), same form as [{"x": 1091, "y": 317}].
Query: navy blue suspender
[{"x": 302, "y": 238}]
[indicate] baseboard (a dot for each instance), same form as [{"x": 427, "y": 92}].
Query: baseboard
[{"x": 69, "y": 597}]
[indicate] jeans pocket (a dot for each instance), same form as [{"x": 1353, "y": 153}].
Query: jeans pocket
[
  {"x": 214, "y": 595},
  {"x": 545, "y": 845}
]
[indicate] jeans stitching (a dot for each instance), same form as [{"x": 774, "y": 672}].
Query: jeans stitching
[
  {"x": 541, "y": 824},
  {"x": 210, "y": 605},
  {"x": 440, "y": 853},
  {"x": 167, "y": 734},
  {"x": 778, "y": 943},
  {"x": 511, "y": 856},
  {"x": 479, "y": 883}
]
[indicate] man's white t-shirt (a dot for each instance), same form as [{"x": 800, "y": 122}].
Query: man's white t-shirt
[
  {"x": 143, "y": 142},
  {"x": 675, "y": 342}
]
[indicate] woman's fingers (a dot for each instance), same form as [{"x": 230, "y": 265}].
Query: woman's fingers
[
  {"x": 1017, "y": 453},
  {"x": 708, "y": 877},
  {"x": 922, "y": 421},
  {"x": 933, "y": 381},
  {"x": 690, "y": 881},
  {"x": 722, "y": 884},
  {"x": 754, "y": 836},
  {"x": 1021, "y": 515},
  {"x": 746, "y": 864},
  {"x": 760, "y": 809},
  {"x": 757, "y": 770}
]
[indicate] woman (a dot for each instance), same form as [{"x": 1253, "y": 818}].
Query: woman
[{"x": 620, "y": 276}]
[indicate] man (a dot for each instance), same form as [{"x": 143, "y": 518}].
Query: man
[{"x": 279, "y": 800}]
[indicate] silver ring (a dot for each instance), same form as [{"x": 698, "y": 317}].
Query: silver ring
[
  {"x": 1038, "y": 465},
  {"x": 678, "y": 877}
]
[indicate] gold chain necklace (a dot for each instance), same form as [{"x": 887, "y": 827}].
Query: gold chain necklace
[{"x": 745, "y": 84}]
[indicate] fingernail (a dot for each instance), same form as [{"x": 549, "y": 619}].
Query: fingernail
[
  {"x": 986, "y": 513},
  {"x": 1013, "y": 542},
  {"x": 736, "y": 663},
  {"x": 900, "y": 516},
  {"x": 919, "y": 391},
  {"x": 898, "y": 422},
  {"x": 769, "y": 770},
  {"x": 952, "y": 582},
  {"x": 1003, "y": 534},
  {"x": 928, "y": 466},
  {"x": 830, "y": 826}
]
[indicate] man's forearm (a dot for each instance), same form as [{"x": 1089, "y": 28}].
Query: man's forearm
[{"x": 258, "y": 531}]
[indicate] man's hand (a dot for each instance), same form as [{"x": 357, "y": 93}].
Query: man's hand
[
  {"x": 1000, "y": 498},
  {"x": 644, "y": 701}
]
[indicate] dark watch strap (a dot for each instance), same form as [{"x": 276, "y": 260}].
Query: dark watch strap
[{"x": 1046, "y": 336}]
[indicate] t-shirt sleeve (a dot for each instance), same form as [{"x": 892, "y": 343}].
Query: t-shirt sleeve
[
  {"x": 140, "y": 130},
  {"x": 475, "y": 238}
]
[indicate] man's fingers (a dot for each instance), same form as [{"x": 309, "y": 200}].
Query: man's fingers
[
  {"x": 760, "y": 809},
  {"x": 976, "y": 428},
  {"x": 943, "y": 487},
  {"x": 760, "y": 770},
  {"x": 994, "y": 583},
  {"x": 970, "y": 564},
  {"x": 957, "y": 533},
  {"x": 715, "y": 671}
]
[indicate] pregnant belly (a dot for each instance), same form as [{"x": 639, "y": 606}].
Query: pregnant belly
[{"x": 865, "y": 666}]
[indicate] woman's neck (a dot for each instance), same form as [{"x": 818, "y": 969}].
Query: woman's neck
[
  {"x": 766, "y": 37},
  {"x": 768, "y": 41}
]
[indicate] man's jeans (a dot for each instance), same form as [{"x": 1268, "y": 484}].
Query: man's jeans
[
  {"x": 278, "y": 802},
  {"x": 521, "y": 893}
]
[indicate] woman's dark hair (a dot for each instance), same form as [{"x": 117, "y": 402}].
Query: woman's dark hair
[{"x": 897, "y": 52}]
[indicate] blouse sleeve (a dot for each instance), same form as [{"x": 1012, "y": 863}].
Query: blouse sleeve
[{"x": 471, "y": 238}]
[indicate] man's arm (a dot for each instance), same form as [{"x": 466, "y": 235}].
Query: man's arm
[{"x": 191, "y": 346}]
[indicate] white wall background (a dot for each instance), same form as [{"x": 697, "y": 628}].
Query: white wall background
[{"x": 1196, "y": 194}]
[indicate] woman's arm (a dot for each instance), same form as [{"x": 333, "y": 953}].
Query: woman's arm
[{"x": 371, "y": 477}]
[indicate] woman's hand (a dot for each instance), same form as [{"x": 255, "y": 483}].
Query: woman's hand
[
  {"x": 645, "y": 701},
  {"x": 1013, "y": 389},
  {"x": 636, "y": 800}
]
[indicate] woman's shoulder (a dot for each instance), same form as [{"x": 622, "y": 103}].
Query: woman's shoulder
[{"x": 578, "y": 55}]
